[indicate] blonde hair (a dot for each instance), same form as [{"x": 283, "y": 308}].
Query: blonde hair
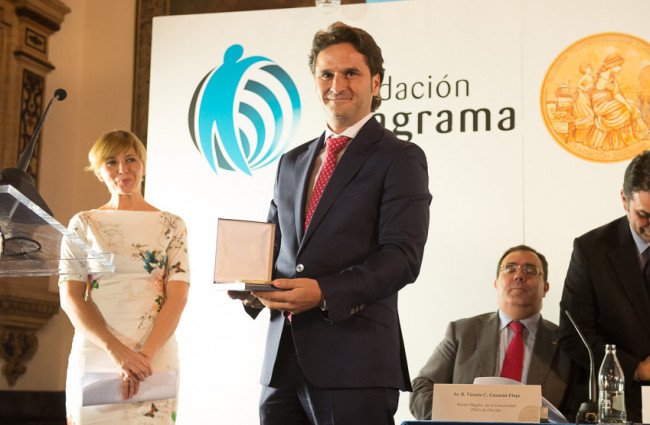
[{"x": 111, "y": 144}]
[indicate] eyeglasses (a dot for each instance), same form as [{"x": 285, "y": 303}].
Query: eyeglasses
[{"x": 528, "y": 269}]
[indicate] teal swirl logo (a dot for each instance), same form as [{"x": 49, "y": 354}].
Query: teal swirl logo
[{"x": 244, "y": 113}]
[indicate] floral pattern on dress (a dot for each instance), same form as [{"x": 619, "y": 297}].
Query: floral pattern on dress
[
  {"x": 155, "y": 263},
  {"x": 92, "y": 283},
  {"x": 149, "y": 412},
  {"x": 110, "y": 232},
  {"x": 149, "y": 249},
  {"x": 152, "y": 412}
]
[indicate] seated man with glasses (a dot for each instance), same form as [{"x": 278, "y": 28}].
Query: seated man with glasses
[{"x": 513, "y": 342}]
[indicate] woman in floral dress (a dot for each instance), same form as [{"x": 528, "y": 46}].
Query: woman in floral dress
[{"x": 125, "y": 322}]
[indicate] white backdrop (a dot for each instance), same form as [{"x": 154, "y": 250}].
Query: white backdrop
[{"x": 491, "y": 189}]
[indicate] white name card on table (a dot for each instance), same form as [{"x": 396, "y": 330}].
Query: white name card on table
[
  {"x": 486, "y": 403},
  {"x": 645, "y": 404}
]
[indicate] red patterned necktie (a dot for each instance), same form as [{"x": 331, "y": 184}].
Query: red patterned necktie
[
  {"x": 514, "y": 360},
  {"x": 333, "y": 147}
]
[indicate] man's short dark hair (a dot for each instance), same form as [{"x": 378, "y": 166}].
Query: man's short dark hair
[
  {"x": 529, "y": 249},
  {"x": 637, "y": 176},
  {"x": 363, "y": 42}
]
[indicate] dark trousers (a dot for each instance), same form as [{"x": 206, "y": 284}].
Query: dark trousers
[{"x": 292, "y": 400}]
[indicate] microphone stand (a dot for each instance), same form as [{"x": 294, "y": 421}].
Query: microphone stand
[
  {"x": 18, "y": 177},
  {"x": 24, "y": 183},
  {"x": 588, "y": 411},
  {"x": 32, "y": 236}
]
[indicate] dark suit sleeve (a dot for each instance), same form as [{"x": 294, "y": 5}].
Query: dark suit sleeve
[
  {"x": 402, "y": 220},
  {"x": 579, "y": 299},
  {"x": 272, "y": 217},
  {"x": 438, "y": 369}
]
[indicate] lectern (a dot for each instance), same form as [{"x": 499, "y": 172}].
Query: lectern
[{"x": 31, "y": 242}]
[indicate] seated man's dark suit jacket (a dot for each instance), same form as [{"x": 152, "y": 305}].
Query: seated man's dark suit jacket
[
  {"x": 469, "y": 350},
  {"x": 605, "y": 293},
  {"x": 364, "y": 243}
]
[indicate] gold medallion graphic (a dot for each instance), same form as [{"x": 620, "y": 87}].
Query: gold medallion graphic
[{"x": 595, "y": 97}]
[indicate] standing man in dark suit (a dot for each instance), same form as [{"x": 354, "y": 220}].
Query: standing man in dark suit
[
  {"x": 345, "y": 245},
  {"x": 477, "y": 346},
  {"x": 606, "y": 292}
]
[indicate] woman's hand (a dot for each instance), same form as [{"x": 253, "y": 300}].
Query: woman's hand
[
  {"x": 139, "y": 365},
  {"x": 129, "y": 388},
  {"x": 87, "y": 319},
  {"x": 131, "y": 364}
]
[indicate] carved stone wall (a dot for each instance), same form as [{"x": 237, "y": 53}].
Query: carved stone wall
[
  {"x": 25, "y": 306},
  {"x": 25, "y": 27}
]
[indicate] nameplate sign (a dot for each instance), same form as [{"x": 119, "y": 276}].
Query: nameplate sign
[{"x": 486, "y": 403}]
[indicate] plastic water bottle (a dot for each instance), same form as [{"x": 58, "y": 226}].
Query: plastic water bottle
[{"x": 611, "y": 389}]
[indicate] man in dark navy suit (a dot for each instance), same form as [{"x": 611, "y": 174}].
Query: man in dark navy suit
[
  {"x": 345, "y": 245},
  {"x": 606, "y": 292}
]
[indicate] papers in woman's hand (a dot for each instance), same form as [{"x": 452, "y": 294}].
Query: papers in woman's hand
[{"x": 106, "y": 388}]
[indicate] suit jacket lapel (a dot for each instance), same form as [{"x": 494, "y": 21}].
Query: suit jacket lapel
[
  {"x": 626, "y": 266},
  {"x": 303, "y": 168},
  {"x": 487, "y": 335},
  {"x": 546, "y": 344},
  {"x": 355, "y": 156}
]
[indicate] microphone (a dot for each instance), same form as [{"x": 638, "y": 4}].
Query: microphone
[
  {"x": 61, "y": 94},
  {"x": 28, "y": 152},
  {"x": 17, "y": 177},
  {"x": 588, "y": 411}
]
